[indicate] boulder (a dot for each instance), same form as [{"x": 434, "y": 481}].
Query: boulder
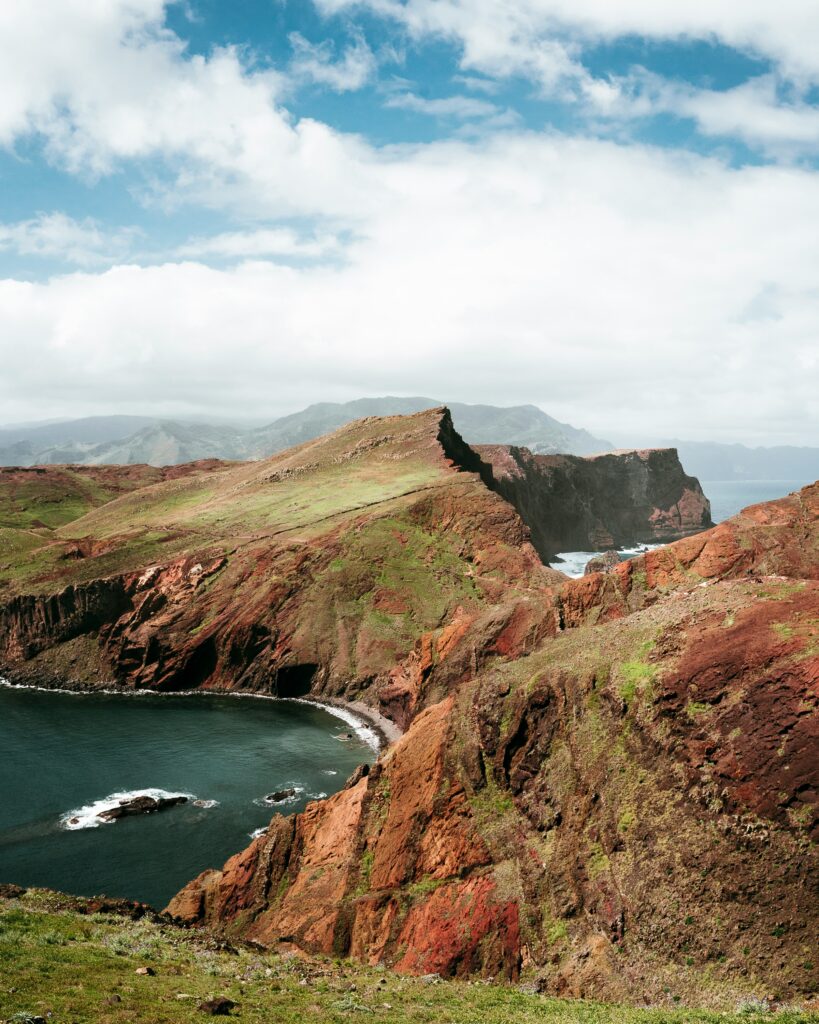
[
  {"x": 140, "y": 805},
  {"x": 279, "y": 796},
  {"x": 604, "y": 562}
]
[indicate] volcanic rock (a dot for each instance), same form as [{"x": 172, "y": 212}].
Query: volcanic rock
[
  {"x": 603, "y": 562},
  {"x": 574, "y": 503},
  {"x": 279, "y": 796},
  {"x": 651, "y": 752},
  {"x": 140, "y": 805}
]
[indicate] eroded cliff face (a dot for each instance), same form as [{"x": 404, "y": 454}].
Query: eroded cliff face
[
  {"x": 572, "y": 503},
  {"x": 316, "y": 571},
  {"x": 605, "y": 783},
  {"x": 612, "y": 790}
]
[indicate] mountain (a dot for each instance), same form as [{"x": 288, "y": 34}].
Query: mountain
[
  {"x": 114, "y": 440},
  {"x": 595, "y": 776},
  {"x": 522, "y": 425},
  {"x": 592, "y": 789},
  {"x": 90, "y": 430}
]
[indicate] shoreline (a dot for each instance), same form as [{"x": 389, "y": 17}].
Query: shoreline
[{"x": 372, "y": 728}]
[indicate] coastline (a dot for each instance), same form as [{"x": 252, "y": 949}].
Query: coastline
[
  {"x": 386, "y": 730},
  {"x": 373, "y": 728}
]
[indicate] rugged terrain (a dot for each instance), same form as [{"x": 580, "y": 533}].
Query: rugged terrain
[
  {"x": 339, "y": 554},
  {"x": 612, "y": 789},
  {"x": 603, "y": 501},
  {"x": 606, "y": 786}
]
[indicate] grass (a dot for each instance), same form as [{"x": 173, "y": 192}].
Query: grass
[{"x": 66, "y": 966}]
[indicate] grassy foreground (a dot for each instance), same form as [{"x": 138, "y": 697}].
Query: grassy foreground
[{"x": 64, "y": 965}]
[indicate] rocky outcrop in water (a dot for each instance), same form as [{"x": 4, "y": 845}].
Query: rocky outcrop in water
[{"x": 140, "y": 805}]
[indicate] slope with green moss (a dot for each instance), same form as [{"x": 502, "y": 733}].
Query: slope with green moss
[
  {"x": 69, "y": 960},
  {"x": 322, "y": 565}
]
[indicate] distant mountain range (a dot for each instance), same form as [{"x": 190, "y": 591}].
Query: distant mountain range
[
  {"x": 142, "y": 439},
  {"x": 133, "y": 439}
]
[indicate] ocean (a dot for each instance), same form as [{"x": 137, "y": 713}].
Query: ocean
[{"x": 67, "y": 756}]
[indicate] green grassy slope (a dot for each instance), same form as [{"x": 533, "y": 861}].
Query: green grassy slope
[{"x": 59, "y": 962}]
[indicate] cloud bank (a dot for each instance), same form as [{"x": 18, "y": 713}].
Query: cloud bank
[{"x": 629, "y": 288}]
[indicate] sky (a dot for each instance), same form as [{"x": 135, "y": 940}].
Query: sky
[{"x": 607, "y": 208}]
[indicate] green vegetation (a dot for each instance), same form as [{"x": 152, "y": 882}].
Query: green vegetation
[
  {"x": 783, "y": 630},
  {"x": 67, "y": 966}
]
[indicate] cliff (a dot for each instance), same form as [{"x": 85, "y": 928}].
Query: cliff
[
  {"x": 605, "y": 784},
  {"x": 316, "y": 570},
  {"x": 612, "y": 791},
  {"x": 602, "y": 501}
]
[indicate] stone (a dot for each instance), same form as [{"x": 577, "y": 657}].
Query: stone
[
  {"x": 604, "y": 562},
  {"x": 140, "y": 805},
  {"x": 279, "y": 796},
  {"x": 219, "y": 1007}
]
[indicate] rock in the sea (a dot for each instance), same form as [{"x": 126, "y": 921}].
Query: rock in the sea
[
  {"x": 604, "y": 562},
  {"x": 279, "y": 796},
  {"x": 141, "y": 805},
  {"x": 9, "y": 891}
]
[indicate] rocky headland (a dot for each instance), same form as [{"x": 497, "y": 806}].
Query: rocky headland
[
  {"x": 574, "y": 503},
  {"x": 608, "y": 784}
]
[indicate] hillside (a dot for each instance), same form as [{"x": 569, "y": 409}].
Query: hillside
[
  {"x": 595, "y": 776},
  {"x": 78, "y": 961},
  {"x": 339, "y": 554},
  {"x": 612, "y": 790}
]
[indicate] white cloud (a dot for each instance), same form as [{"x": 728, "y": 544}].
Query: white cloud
[
  {"x": 314, "y": 62},
  {"x": 753, "y": 112},
  {"x": 110, "y": 84},
  {"x": 543, "y": 40},
  {"x": 461, "y": 107},
  {"x": 504, "y": 35},
  {"x": 629, "y": 290},
  {"x": 59, "y": 237},
  {"x": 263, "y": 242}
]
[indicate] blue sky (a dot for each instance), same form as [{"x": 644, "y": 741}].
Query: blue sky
[{"x": 601, "y": 207}]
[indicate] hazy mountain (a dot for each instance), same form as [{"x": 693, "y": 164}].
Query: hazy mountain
[
  {"x": 710, "y": 461},
  {"x": 161, "y": 442},
  {"x": 89, "y": 430},
  {"x": 136, "y": 439},
  {"x": 523, "y": 425}
]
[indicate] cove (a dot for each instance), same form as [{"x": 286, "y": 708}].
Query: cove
[{"x": 64, "y": 755}]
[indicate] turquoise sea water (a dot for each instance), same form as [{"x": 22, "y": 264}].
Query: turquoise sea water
[{"x": 66, "y": 755}]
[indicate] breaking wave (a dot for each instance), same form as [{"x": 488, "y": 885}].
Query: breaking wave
[{"x": 88, "y": 816}]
